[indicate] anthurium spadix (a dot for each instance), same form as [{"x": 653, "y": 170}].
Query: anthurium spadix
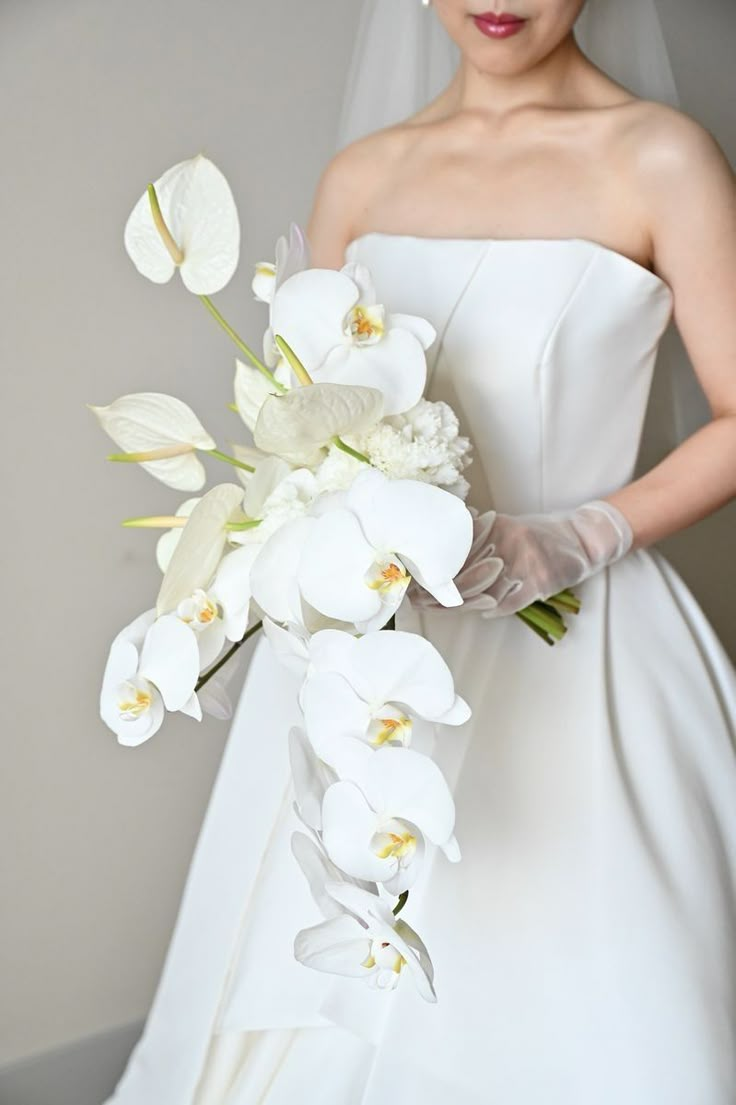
[
  {"x": 300, "y": 424},
  {"x": 342, "y": 335},
  {"x": 161, "y": 433},
  {"x": 372, "y": 687},
  {"x": 152, "y": 667},
  {"x": 376, "y": 818},
  {"x": 199, "y": 212},
  {"x": 364, "y": 940}
]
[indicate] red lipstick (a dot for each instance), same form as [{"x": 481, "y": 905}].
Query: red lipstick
[{"x": 498, "y": 24}]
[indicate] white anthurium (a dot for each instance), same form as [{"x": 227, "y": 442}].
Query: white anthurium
[
  {"x": 373, "y": 687},
  {"x": 168, "y": 541},
  {"x": 365, "y": 940},
  {"x": 201, "y": 546},
  {"x": 251, "y": 388},
  {"x": 376, "y": 818},
  {"x": 161, "y": 433},
  {"x": 199, "y": 211},
  {"x": 342, "y": 335},
  {"x": 352, "y": 558},
  {"x": 300, "y": 425},
  {"x": 153, "y": 666}
]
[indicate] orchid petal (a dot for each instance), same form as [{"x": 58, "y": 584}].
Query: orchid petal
[
  {"x": 431, "y": 529},
  {"x": 395, "y": 365},
  {"x": 312, "y": 778},
  {"x": 308, "y": 311},
  {"x": 339, "y": 946},
  {"x": 332, "y": 571},
  {"x": 231, "y": 588},
  {"x": 274, "y": 574},
  {"x": 170, "y": 660}
]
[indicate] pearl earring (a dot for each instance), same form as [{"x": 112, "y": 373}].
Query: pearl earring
[{"x": 426, "y": 3}]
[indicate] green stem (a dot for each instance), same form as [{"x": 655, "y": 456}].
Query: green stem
[
  {"x": 224, "y": 659},
  {"x": 236, "y": 527},
  {"x": 544, "y": 618},
  {"x": 351, "y": 452},
  {"x": 228, "y": 459},
  {"x": 241, "y": 344},
  {"x": 401, "y": 903}
]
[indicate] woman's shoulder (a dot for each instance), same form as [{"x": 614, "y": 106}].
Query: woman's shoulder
[{"x": 662, "y": 140}]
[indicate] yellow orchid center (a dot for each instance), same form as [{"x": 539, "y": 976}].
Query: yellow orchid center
[
  {"x": 396, "y": 729},
  {"x": 386, "y": 960},
  {"x": 133, "y": 700},
  {"x": 400, "y": 845},
  {"x": 388, "y": 575},
  {"x": 366, "y": 325},
  {"x": 198, "y": 611}
]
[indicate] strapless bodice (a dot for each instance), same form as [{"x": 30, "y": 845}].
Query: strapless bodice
[{"x": 545, "y": 348}]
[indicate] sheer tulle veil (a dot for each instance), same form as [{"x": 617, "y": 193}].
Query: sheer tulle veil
[{"x": 403, "y": 58}]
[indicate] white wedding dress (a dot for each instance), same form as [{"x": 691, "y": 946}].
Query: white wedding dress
[{"x": 584, "y": 946}]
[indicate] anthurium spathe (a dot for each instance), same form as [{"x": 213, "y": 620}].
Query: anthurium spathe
[
  {"x": 362, "y": 939},
  {"x": 342, "y": 335},
  {"x": 376, "y": 818},
  {"x": 161, "y": 433},
  {"x": 201, "y": 546},
  {"x": 198, "y": 209},
  {"x": 300, "y": 424},
  {"x": 372, "y": 687},
  {"x": 153, "y": 666}
]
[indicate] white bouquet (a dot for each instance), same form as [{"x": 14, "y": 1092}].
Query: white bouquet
[{"x": 352, "y": 487}]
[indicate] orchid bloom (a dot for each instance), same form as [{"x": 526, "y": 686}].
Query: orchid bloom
[
  {"x": 342, "y": 335},
  {"x": 160, "y": 433},
  {"x": 352, "y": 558},
  {"x": 292, "y": 255},
  {"x": 152, "y": 667},
  {"x": 376, "y": 818},
  {"x": 373, "y": 687},
  {"x": 361, "y": 937},
  {"x": 201, "y": 231}
]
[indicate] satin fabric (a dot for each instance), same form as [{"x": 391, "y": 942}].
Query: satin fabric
[{"x": 583, "y": 946}]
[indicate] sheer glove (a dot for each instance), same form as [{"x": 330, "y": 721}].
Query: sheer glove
[{"x": 517, "y": 559}]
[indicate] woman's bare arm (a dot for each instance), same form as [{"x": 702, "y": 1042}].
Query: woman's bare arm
[{"x": 689, "y": 188}]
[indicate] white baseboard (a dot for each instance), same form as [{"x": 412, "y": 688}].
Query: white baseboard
[{"x": 81, "y": 1073}]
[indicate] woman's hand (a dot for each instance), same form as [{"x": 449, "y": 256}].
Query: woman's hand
[{"x": 517, "y": 559}]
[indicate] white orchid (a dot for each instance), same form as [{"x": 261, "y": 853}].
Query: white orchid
[
  {"x": 199, "y": 213},
  {"x": 292, "y": 255},
  {"x": 299, "y": 425},
  {"x": 312, "y": 778},
  {"x": 342, "y": 335},
  {"x": 361, "y": 937},
  {"x": 159, "y": 432},
  {"x": 353, "y": 557},
  {"x": 376, "y": 818},
  {"x": 152, "y": 667},
  {"x": 373, "y": 687}
]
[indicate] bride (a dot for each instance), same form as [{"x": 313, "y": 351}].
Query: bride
[{"x": 549, "y": 223}]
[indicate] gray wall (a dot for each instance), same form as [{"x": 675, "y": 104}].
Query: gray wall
[{"x": 98, "y": 96}]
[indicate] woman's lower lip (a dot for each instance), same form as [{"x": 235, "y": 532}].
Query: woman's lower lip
[{"x": 498, "y": 30}]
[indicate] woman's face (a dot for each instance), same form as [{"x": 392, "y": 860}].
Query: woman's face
[{"x": 540, "y": 26}]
